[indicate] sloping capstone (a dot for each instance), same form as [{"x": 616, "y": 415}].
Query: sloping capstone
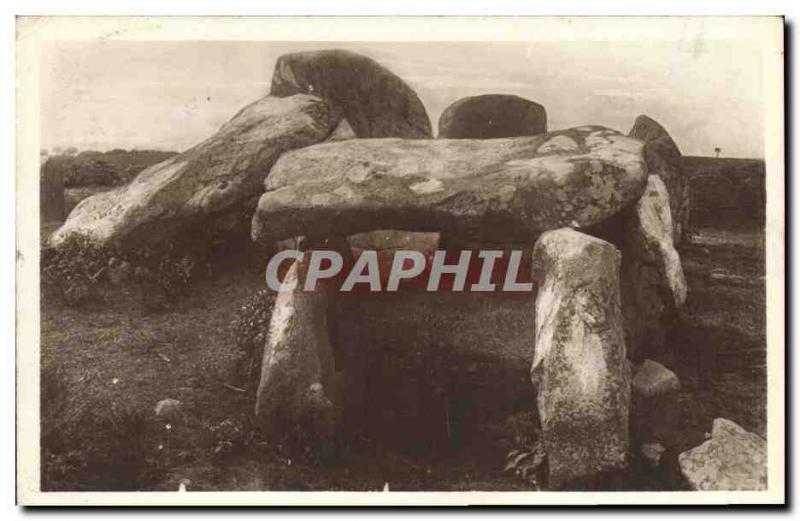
[
  {"x": 211, "y": 180},
  {"x": 500, "y": 190},
  {"x": 492, "y": 116},
  {"x": 664, "y": 159},
  {"x": 375, "y": 101},
  {"x": 733, "y": 459},
  {"x": 580, "y": 369},
  {"x": 653, "y": 283}
]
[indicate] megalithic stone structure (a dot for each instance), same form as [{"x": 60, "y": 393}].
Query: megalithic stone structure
[{"x": 580, "y": 368}]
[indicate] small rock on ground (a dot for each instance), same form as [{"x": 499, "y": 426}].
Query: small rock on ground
[
  {"x": 168, "y": 407},
  {"x": 732, "y": 459},
  {"x": 653, "y": 379}
]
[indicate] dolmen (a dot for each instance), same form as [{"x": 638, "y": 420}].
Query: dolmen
[{"x": 341, "y": 154}]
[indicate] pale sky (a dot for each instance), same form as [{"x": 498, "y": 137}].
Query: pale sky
[{"x": 171, "y": 95}]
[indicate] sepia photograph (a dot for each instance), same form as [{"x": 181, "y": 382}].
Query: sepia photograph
[{"x": 344, "y": 261}]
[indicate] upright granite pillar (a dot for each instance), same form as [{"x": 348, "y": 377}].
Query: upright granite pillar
[
  {"x": 297, "y": 391},
  {"x": 580, "y": 368}
]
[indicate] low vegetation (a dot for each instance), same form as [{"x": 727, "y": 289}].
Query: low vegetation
[
  {"x": 728, "y": 190},
  {"x": 93, "y": 168},
  {"x": 80, "y": 272}
]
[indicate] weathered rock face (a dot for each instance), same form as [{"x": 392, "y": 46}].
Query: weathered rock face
[
  {"x": 199, "y": 186},
  {"x": 653, "y": 283},
  {"x": 492, "y": 116},
  {"x": 500, "y": 190},
  {"x": 733, "y": 459},
  {"x": 580, "y": 368},
  {"x": 73, "y": 196},
  {"x": 297, "y": 390},
  {"x": 51, "y": 194},
  {"x": 375, "y": 101},
  {"x": 664, "y": 159}
]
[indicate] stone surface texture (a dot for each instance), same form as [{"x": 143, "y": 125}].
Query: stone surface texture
[
  {"x": 492, "y": 116},
  {"x": 206, "y": 184},
  {"x": 580, "y": 369},
  {"x": 375, "y": 101},
  {"x": 500, "y": 190}
]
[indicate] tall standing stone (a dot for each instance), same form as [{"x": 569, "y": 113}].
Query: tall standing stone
[
  {"x": 664, "y": 159},
  {"x": 492, "y": 116},
  {"x": 297, "y": 391},
  {"x": 653, "y": 283},
  {"x": 580, "y": 369},
  {"x": 374, "y": 100}
]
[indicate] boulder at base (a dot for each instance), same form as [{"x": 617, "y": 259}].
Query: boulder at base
[
  {"x": 580, "y": 369},
  {"x": 733, "y": 459},
  {"x": 499, "y": 190},
  {"x": 297, "y": 391},
  {"x": 492, "y": 116},
  {"x": 375, "y": 101},
  {"x": 664, "y": 159},
  {"x": 206, "y": 183},
  {"x": 653, "y": 283}
]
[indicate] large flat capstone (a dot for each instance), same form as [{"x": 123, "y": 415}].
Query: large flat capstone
[
  {"x": 221, "y": 175},
  {"x": 500, "y": 190}
]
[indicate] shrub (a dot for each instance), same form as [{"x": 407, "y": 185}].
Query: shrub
[
  {"x": 93, "y": 168},
  {"x": 78, "y": 269},
  {"x": 73, "y": 269},
  {"x": 250, "y": 329}
]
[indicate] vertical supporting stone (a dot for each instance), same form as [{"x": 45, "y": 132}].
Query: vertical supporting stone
[
  {"x": 297, "y": 390},
  {"x": 580, "y": 367},
  {"x": 653, "y": 284},
  {"x": 664, "y": 160}
]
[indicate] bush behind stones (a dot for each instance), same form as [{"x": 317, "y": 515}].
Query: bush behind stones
[
  {"x": 80, "y": 272},
  {"x": 250, "y": 328}
]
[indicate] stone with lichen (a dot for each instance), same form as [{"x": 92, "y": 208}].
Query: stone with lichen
[
  {"x": 297, "y": 391},
  {"x": 732, "y": 459},
  {"x": 205, "y": 187},
  {"x": 580, "y": 369},
  {"x": 502, "y": 190}
]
